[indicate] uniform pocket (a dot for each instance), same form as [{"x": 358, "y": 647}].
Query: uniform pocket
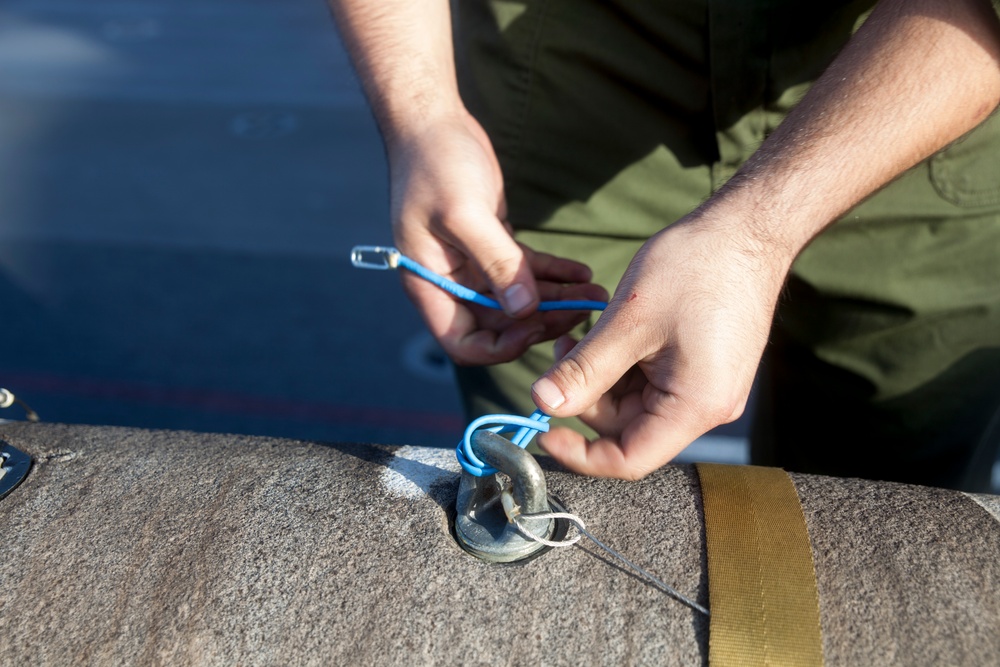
[{"x": 967, "y": 173}]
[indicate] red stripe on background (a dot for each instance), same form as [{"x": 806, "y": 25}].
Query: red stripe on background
[{"x": 233, "y": 403}]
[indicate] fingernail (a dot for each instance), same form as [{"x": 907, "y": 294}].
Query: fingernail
[
  {"x": 548, "y": 393},
  {"x": 518, "y": 298}
]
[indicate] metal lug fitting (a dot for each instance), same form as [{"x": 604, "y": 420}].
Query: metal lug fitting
[
  {"x": 14, "y": 467},
  {"x": 482, "y": 526}
]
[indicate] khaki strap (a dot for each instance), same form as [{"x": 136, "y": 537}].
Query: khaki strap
[{"x": 761, "y": 579}]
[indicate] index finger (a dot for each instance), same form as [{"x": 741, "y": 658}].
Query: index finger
[
  {"x": 457, "y": 329},
  {"x": 647, "y": 443}
]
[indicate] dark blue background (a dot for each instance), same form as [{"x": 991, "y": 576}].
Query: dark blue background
[{"x": 180, "y": 186}]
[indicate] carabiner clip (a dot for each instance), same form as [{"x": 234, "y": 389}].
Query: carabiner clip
[{"x": 374, "y": 257}]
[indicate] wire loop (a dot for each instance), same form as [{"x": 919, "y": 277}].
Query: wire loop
[
  {"x": 527, "y": 427},
  {"x": 583, "y": 532}
]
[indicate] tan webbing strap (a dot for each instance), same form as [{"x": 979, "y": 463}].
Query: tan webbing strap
[{"x": 761, "y": 579}]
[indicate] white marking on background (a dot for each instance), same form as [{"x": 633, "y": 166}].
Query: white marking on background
[
  {"x": 414, "y": 470},
  {"x": 987, "y": 503}
]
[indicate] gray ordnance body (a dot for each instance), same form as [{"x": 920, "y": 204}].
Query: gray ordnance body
[{"x": 137, "y": 547}]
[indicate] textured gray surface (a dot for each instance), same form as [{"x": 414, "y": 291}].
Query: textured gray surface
[
  {"x": 990, "y": 503},
  {"x": 156, "y": 547},
  {"x": 907, "y": 575}
]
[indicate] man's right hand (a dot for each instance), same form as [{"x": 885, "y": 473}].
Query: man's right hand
[{"x": 449, "y": 214}]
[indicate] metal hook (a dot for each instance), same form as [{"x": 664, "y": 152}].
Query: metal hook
[
  {"x": 482, "y": 526},
  {"x": 381, "y": 258}
]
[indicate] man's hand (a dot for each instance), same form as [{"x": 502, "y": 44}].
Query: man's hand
[
  {"x": 447, "y": 190},
  {"x": 675, "y": 353},
  {"x": 448, "y": 214},
  {"x": 673, "y": 356}
]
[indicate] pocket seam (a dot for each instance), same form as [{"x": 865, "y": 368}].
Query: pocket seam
[{"x": 944, "y": 176}]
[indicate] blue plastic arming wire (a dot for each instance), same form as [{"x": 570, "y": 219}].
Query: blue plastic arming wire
[
  {"x": 527, "y": 427},
  {"x": 467, "y": 294}
]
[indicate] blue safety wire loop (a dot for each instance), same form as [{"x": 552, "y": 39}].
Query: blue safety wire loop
[
  {"x": 384, "y": 258},
  {"x": 526, "y": 427}
]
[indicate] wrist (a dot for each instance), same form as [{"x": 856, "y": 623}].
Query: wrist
[
  {"x": 408, "y": 100},
  {"x": 404, "y": 58},
  {"x": 755, "y": 230},
  {"x": 409, "y": 118}
]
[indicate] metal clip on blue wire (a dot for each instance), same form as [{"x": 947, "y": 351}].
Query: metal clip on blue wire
[
  {"x": 384, "y": 258},
  {"x": 374, "y": 257},
  {"x": 527, "y": 427}
]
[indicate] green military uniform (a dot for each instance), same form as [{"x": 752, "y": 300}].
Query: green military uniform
[{"x": 612, "y": 119}]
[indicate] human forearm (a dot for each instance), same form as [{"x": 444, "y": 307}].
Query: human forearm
[
  {"x": 402, "y": 52},
  {"x": 916, "y": 76},
  {"x": 447, "y": 196},
  {"x": 676, "y": 351}
]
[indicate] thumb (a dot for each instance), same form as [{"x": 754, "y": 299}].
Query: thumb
[
  {"x": 505, "y": 266},
  {"x": 585, "y": 373}
]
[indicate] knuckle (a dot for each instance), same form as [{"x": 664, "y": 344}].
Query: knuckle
[
  {"x": 454, "y": 216},
  {"x": 633, "y": 320},
  {"x": 499, "y": 269},
  {"x": 479, "y": 358},
  {"x": 716, "y": 413},
  {"x": 577, "y": 370},
  {"x": 457, "y": 356},
  {"x": 635, "y": 473},
  {"x": 722, "y": 410},
  {"x": 738, "y": 408}
]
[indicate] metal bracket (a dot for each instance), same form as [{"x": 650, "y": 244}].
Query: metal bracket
[
  {"x": 14, "y": 467},
  {"x": 376, "y": 257},
  {"x": 482, "y": 526}
]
